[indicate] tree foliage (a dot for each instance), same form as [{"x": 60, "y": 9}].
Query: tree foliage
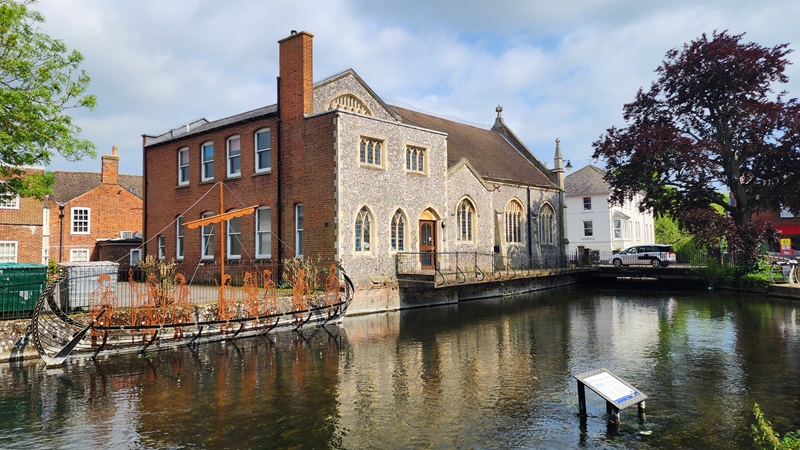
[
  {"x": 40, "y": 81},
  {"x": 710, "y": 119}
]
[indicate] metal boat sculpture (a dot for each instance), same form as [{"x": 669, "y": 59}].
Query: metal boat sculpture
[{"x": 159, "y": 317}]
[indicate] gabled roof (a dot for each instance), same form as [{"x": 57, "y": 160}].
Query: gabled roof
[
  {"x": 70, "y": 185},
  {"x": 491, "y": 154},
  {"x": 352, "y": 73},
  {"x": 586, "y": 181}
]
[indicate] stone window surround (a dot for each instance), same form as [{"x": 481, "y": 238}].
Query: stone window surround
[
  {"x": 383, "y": 151},
  {"x": 362, "y": 244},
  {"x": 398, "y": 238},
  {"x": 472, "y": 215},
  {"x": 546, "y": 228},
  {"x": 414, "y": 147},
  {"x": 512, "y": 221}
]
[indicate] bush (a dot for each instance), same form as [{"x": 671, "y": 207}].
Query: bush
[{"x": 765, "y": 437}]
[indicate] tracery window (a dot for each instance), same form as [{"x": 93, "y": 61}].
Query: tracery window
[
  {"x": 363, "y": 235},
  {"x": 513, "y": 222},
  {"x": 398, "y": 232},
  {"x": 370, "y": 151},
  {"x": 547, "y": 224},
  {"x": 465, "y": 215},
  {"x": 415, "y": 159}
]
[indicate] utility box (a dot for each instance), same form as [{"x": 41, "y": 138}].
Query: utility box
[
  {"x": 82, "y": 280},
  {"x": 21, "y": 284}
]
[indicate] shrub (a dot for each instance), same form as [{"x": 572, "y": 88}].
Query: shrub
[{"x": 765, "y": 437}]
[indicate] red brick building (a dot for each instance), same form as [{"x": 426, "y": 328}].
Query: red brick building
[
  {"x": 23, "y": 229},
  {"x": 87, "y": 207}
]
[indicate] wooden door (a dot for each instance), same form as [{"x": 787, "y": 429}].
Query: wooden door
[{"x": 427, "y": 244}]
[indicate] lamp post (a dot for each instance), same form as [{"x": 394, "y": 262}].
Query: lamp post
[{"x": 61, "y": 231}]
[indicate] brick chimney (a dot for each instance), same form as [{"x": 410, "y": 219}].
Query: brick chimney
[
  {"x": 110, "y": 174},
  {"x": 296, "y": 73}
]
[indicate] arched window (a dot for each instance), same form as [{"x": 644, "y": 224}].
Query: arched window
[
  {"x": 547, "y": 224},
  {"x": 466, "y": 220},
  {"x": 513, "y": 222},
  {"x": 363, "y": 230},
  {"x": 398, "y": 232}
]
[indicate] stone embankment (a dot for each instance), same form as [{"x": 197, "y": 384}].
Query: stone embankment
[{"x": 15, "y": 342}]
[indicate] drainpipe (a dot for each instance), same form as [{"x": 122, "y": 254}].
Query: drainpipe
[
  {"x": 279, "y": 159},
  {"x": 61, "y": 231}
]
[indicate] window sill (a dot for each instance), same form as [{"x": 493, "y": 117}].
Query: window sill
[
  {"x": 206, "y": 181},
  {"x": 370, "y": 166},
  {"x": 263, "y": 172},
  {"x": 233, "y": 177}
]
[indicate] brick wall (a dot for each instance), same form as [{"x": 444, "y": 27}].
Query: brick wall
[
  {"x": 112, "y": 209},
  {"x": 24, "y": 225},
  {"x": 165, "y": 200}
]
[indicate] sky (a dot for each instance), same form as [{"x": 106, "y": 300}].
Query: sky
[{"x": 560, "y": 70}]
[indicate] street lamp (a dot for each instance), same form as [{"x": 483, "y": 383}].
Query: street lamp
[{"x": 61, "y": 230}]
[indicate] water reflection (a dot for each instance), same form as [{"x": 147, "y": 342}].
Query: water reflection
[{"x": 492, "y": 373}]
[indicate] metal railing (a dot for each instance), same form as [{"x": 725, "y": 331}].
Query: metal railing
[
  {"x": 450, "y": 268},
  {"x": 593, "y": 258}
]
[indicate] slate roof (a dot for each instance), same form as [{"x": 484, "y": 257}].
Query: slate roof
[
  {"x": 492, "y": 156},
  {"x": 70, "y": 185},
  {"x": 202, "y": 125},
  {"x": 586, "y": 181}
]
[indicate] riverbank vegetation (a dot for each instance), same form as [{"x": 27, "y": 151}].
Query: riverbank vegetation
[{"x": 765, "y": 437}]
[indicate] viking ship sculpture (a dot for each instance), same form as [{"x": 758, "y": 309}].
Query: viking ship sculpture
[{"x": 161, "y": 314}]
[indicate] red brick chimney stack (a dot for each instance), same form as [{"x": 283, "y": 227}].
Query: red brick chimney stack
[
  {"x": 296, "y": 72},
  {"x": 110, "y": 174}
]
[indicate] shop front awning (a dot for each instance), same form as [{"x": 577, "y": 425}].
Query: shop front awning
[{"x": 787, "y": 230}]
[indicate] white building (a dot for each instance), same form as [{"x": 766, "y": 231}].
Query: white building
[{"x": 594, "y": 223}]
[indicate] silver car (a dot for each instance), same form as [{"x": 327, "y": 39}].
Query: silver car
[{"x": 656, "y": 255}]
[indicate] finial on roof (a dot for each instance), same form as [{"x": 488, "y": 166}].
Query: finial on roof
[
  {"x": 499, "y": 109},
  {"x": 558, "y": 148},
  {"x": 498, "y": 121}
]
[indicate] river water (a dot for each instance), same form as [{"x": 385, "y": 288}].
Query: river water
[{"x": 493, "y": 373}]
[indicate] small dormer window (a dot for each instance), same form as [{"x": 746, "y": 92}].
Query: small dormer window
[{"x": 350, "y": 102}]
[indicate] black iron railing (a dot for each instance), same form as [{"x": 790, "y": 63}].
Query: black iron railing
[{"x": 471, "y": 267}]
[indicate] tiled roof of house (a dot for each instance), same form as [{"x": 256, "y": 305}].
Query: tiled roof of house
[
  {"x": 69, "y": 185},
  {"x": 586, "y": 181},
  {"x": 492, "y": 156}
]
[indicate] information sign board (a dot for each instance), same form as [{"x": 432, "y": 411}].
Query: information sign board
[{"x": 612, "y": 388}]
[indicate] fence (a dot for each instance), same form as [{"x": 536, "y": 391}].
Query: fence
[{"x": 463, "y": 267}]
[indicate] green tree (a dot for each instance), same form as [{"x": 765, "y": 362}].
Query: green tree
[
  {"x": 711, "y": 119},
  {"x": 40, "y": 81}
]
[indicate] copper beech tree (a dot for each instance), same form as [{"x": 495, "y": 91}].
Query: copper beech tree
[{"x": 711, "y": 121}]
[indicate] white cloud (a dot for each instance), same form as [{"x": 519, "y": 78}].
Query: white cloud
[{"x": 560, "y": 69}]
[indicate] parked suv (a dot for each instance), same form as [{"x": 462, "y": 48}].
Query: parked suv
[{"x": 656, "y": 255}]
